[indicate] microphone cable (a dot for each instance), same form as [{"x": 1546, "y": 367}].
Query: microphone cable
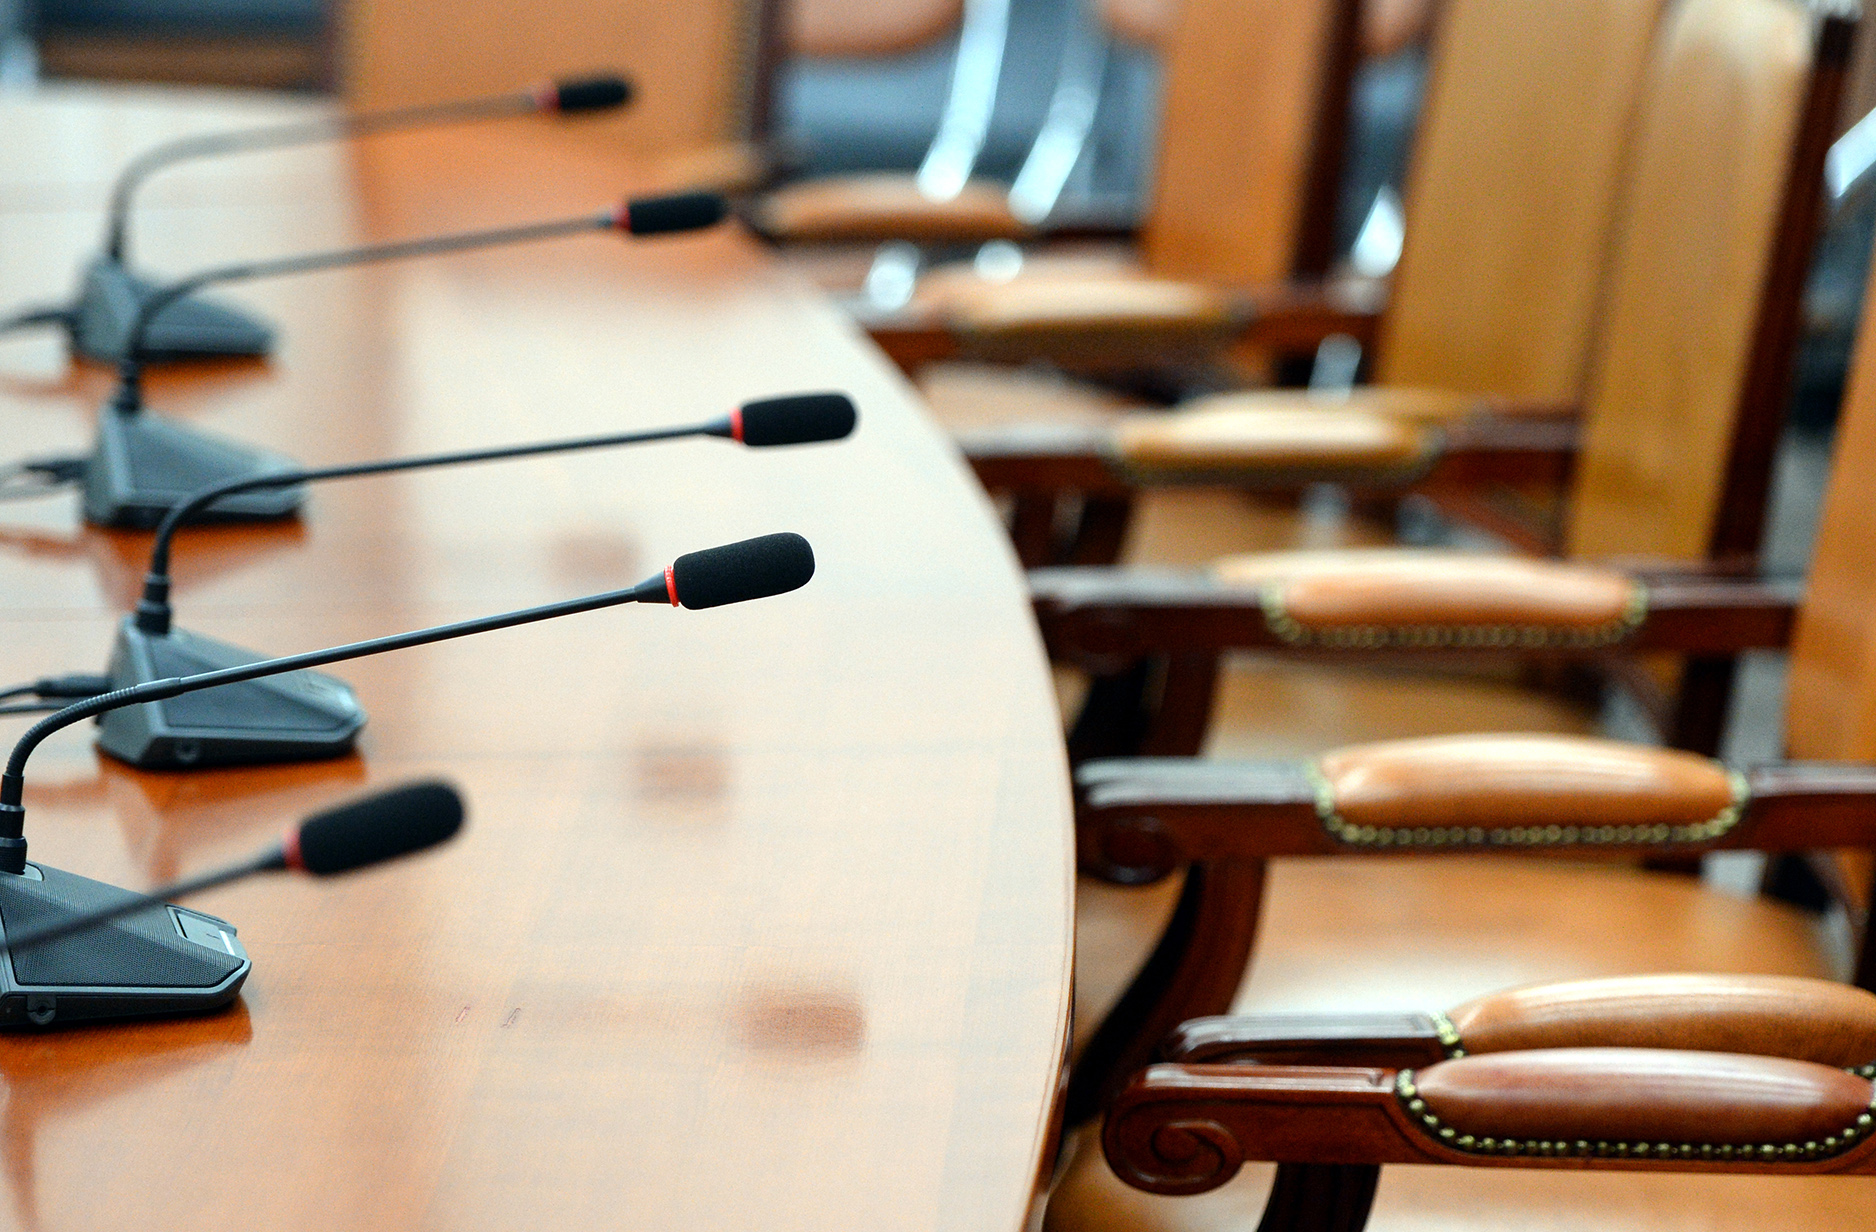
[
  {"x": 52, "y": 315},
  {"x": 54, "y": 692},
  {"x": 39, "y": 477}
]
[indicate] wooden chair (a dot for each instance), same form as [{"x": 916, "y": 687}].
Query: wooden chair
[
  {"x": 1670, "y": 460},
  {"x": 1453, "y": 415},
  {"x": 1664, "y": 1073},
  {"x": 1242, "y": 194},
  {"x": 1539, "y": 93},
  {"x": 1543, "y": 796}
]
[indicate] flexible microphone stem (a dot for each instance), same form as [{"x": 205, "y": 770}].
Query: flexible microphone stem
[
  {"x": 586, "y": 94},
  {"x": 267, "y": 861},
  {"x": 178, "y": 514},
  {"x": 130, "y": 394}
]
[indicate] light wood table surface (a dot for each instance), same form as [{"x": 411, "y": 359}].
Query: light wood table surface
[{"x": 762, "y": 915}]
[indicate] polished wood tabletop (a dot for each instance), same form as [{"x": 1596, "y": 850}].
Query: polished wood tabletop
[{"x": 761, "y": 919}]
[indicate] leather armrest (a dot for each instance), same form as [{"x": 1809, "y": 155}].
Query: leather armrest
[
  {"x": 1182, "y": 1129},
  {"x": 1393, "y": 600},
  {"x": 882, "y": 206},
  {"x": 1098, "y": 320},
  {"x": 1495, "y": 792},
  {"x": 1755, "y": 1015}
]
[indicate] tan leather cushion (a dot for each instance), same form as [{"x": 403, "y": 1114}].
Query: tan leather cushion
[
  {"x": 1219, "y": 441},
  {"x": 1767, "y": 1015},
  {"x": 866, "y": 27},
  {"x": 1113, "y": 303},
  {"x": 884, "y": 206},
  {"x": 1389, "y": 596},
  {"x": 1525, "y": 781},
  {"x": 1643, "y": 1095}
]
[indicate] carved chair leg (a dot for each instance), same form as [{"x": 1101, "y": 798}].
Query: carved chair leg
[
  {"x": 1865, "y": 975},
  {"x": 1113, "y": 718},
  {"x": 1699, "y": 726},
  {"x": 1101, "y": 531},
  {"x": 1195, "y": 970},
  {"x": 1032, "y": 528},
  {"x": 1320, "y": 1198},
  {"x": 1188, "y": 685}
]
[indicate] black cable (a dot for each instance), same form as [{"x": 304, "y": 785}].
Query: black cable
[
  {"x": 39, "y": 476},
  {"x": 37, "y": 316},
  {"x": 56, "y": 691},
  {"x": 32, "y": 708}
]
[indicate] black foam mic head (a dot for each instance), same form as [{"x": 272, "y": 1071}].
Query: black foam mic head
[
  {"x": 381, "y": 827},
  {"x": 597, "y": 93},
  {"x": 735, "y": 572},
  {"x": 690, "y": 211},
  {"x": 798, "y": 419}
]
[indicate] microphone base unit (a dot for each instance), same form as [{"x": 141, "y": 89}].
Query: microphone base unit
[
  {"x": 158, "y": 962},
  {"x": 295, "y": 716},
  {"x": 110, "y": 296},
  {"x": 143, "y": 464}
]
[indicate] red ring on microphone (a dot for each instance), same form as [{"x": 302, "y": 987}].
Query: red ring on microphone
[
  {"x": 546, "y": 96},
  {"x": 670, "y": 584},
  {"x": 622, "y": 216},
  {"x": 290, "y": 849},
  {"x": 736, "y": 424}
]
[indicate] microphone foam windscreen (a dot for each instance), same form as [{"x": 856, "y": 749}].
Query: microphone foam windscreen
[
  {"x": 798, "y": 419},
  {"x": 677, "y": 212},
  {"x": 381, "y": 827},
  {"x": 735, "y": 572},
  {"x": 592, "y": 93}
]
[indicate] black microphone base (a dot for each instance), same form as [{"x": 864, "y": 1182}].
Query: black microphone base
[
  {"x": 298, "y": 716},
  {"x": 160, "y": 961},
  {"x": 143, "y": 464},
  {"x": 191, "y": 328}
]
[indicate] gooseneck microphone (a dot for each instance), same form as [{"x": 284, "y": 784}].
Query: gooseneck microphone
[
  {"x": 285, "y": 720},
  {"x": 568, "y": 96},
  {"x": 142, "y": 464},
  {"x": 110, "y": 295},
  {"x": 398, "y": 822},
  {"x": 638, "y": 216},
  {"x": 734, "y": 573},
  {"x": 792, "y": 419}
]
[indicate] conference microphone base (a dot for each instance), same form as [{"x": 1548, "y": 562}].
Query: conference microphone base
[
  {"x": 296, "y": 716},
  {"x": 191, "y": 328},
  {"x": 143, "y": 464},
  {"x": 160, "y": 961}
]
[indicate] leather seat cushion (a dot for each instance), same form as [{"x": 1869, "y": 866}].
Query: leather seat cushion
[{"x": 884, "y": 206}]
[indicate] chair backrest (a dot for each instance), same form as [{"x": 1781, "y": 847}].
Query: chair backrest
[
  {"x": 859, "y": 28},
  {"x": 1701, "y": 312},
  {"x": 1510, "y": 194},
  {"x": 1830, "y": 712},
  {"x": 1144, "y": 23},
  {"x": 1251, "y": 128},
  {"x": 696, "y": 64}
]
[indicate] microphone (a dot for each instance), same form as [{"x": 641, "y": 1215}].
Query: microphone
[
  {"x": 733, "y": 573},
  {"x": 254, "y": 718},
  {"x": 272, "y": 721},
  {"x": 141, "y": 464},
  {"x": 63, "y": 942},
  {"x": 398, "y": 822},
  {"x": 110, "y": 295}
]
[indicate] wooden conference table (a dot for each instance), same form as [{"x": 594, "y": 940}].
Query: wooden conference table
[{"x": 762, "y": 916}]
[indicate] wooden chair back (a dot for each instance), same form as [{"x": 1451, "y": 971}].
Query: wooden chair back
[
  {"x": 865, "y": 28},
  {"x": 1144, "y": 23},
  {"x": 1510, "y": 193},
  {"x": 1830, "y": 712},
  {"x": 1251, "y": 133},
  {"x": 1700, "y": 317},
  {"x": 697, "y": 65}
]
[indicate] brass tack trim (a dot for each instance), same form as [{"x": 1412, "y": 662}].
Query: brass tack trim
[
  {"x": 1291, "y": 632},
  {"x": 1524, "y": 837},
  {"x": 1766, "y": 1152},
  {"x": 1449, "y": 1035}
]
